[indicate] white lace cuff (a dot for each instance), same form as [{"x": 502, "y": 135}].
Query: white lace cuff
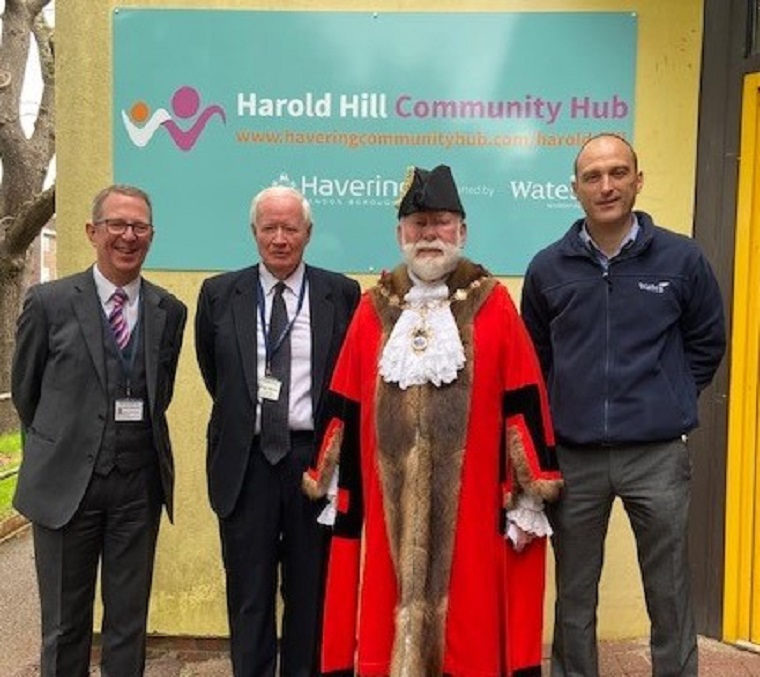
[
  {"x": 327, "y": 516},
  {"x": 529, "y": 516}
]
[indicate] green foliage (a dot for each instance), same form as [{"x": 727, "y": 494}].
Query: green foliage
[
  {"x": 10, "y": 458},
  {"x": 10, "y": 450},
  {"x": 10, "y": 442},
  {"x": 7, "y": 487}
]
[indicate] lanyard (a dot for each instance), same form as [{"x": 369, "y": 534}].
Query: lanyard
[
  {"x": 271, "y": 346},
  {"x": 128, "y": 365}
]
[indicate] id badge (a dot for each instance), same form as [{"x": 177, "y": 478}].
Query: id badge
[
  {"x": 269, "y": 388},
  {"x": 128, "y": 410}
]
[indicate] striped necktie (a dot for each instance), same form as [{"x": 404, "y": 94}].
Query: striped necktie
[{"x": 118, "y": 320}]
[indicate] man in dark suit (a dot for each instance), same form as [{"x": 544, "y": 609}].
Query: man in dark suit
[
  {"x": 93, "y": 374},
  {"x": 262, "y": 429}
]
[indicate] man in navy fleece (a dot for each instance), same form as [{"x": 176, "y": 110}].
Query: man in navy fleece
[{"x": 627, "y": 320}]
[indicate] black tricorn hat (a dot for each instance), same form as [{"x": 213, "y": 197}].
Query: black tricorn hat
[{"x": 429, "y": 190}]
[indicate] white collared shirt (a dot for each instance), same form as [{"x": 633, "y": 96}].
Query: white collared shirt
[
  {"x": 301, "y": 416},
  {"x": 106, "y": 288}
]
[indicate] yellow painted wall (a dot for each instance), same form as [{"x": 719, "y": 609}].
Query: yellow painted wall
[{"x": 188, "y": 590}]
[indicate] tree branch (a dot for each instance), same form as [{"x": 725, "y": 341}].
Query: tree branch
[
  {"x": 43, "y": 138},
  {"x": 25, "y": 161},
  {"x": 29, "y": 221},
  {"x": 35, "y": 6}
]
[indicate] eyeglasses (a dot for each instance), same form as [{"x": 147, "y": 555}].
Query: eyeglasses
[{"x": 119, "y": 227}]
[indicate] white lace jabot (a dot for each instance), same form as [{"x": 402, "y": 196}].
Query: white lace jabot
[{"x": 424, "y": 346}]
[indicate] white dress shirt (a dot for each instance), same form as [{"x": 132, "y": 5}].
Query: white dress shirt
[{"x": 301, "y": 416}]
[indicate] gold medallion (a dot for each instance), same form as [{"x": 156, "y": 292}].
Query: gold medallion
[{"x": 420, "y": 339}]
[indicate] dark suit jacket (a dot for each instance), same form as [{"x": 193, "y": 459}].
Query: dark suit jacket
[
  {"x": 59, "y": 389},
  {"x": 225, "y": 343}
]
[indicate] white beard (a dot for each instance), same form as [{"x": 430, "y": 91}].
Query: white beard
[{"x": 432, "y": 268}]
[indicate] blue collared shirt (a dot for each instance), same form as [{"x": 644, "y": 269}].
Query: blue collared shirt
[{"x": 603, "y": 259}]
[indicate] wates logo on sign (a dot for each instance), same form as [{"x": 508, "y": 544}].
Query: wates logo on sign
[{"x": 552, "y": 194}]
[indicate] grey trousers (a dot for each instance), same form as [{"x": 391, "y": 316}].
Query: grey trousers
[
  {"x": 116, "y": 525},
  {"x": 653, "y": 482}
]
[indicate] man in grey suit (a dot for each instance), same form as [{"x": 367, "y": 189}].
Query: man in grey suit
[
  {"x": 267, "y": 371},
  {"x": 93, "y": 374}
]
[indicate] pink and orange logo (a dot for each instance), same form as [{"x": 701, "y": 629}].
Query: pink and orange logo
[{"x": 184, "y": 124}]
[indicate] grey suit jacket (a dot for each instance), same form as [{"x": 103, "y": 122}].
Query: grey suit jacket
[
  {"x": 225, "y": 343},
  {"x": 59, "y": 389}
]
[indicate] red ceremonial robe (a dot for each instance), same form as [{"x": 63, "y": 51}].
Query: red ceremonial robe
[{"x": 421, "y": 580}]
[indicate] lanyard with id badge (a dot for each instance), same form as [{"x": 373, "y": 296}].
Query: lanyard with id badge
[
  {"x": 129, "y": 409},
  {"x": 270, "y": 386}
]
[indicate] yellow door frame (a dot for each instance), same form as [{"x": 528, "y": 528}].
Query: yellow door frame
[{"x": 741, "y": 606}]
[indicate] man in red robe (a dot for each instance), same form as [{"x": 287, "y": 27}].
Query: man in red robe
[{"x": 439, "y": 455}]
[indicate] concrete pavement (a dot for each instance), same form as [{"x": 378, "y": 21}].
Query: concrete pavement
[
  {"x": 20, "y": 626},
  {"x": 19, "y": 620},
  {"x": 19, "y": 637}
]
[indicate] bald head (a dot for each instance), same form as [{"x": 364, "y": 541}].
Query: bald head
[
  {"x": 608, "y": 137},
  {"x": 607, "y": 181}
]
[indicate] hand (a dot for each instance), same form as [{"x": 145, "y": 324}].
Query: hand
[{"x": 519, "y": 537}]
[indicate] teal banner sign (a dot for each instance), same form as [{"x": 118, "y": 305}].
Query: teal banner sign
[{"x": 211, "y": 106}]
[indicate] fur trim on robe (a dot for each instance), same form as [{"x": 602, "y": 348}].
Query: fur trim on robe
[{"x": 421, "y": 437}]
